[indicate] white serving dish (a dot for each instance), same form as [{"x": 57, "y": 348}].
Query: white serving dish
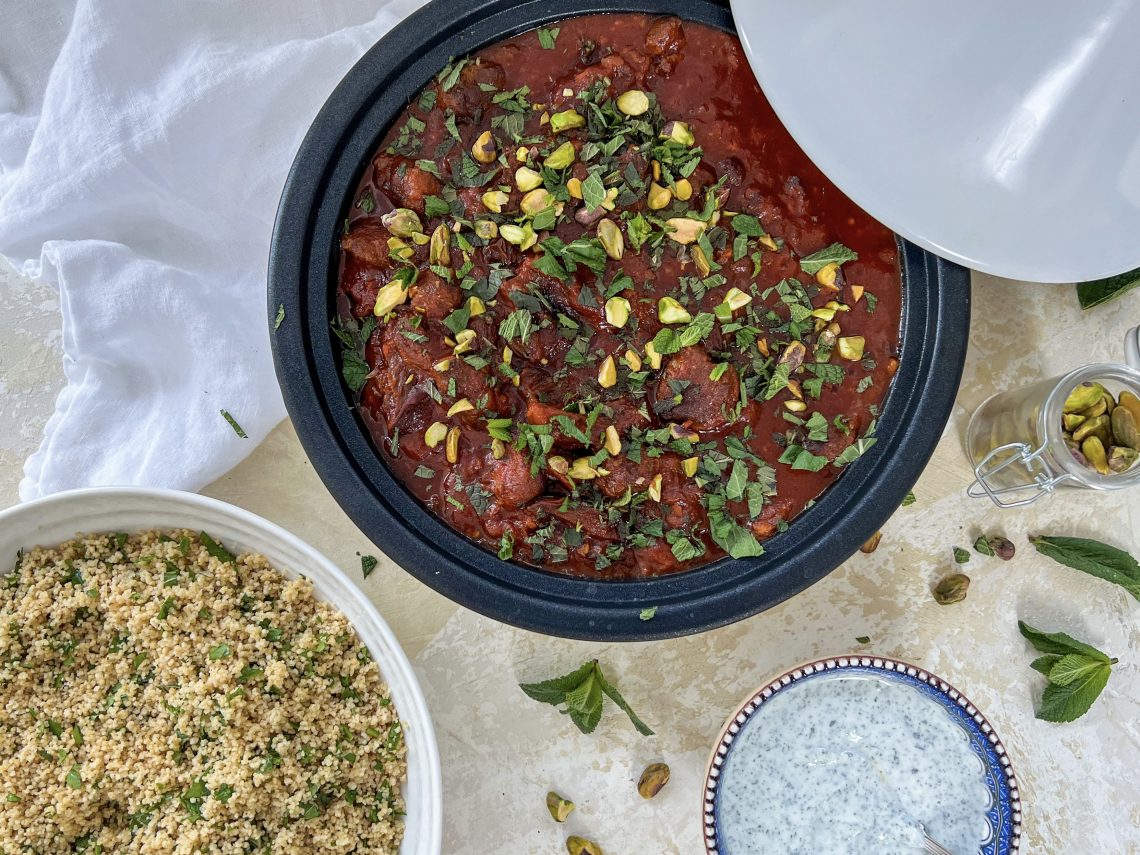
[
  {"x": 1004, "y": 136},
  {"x": 57, "y": 518}
]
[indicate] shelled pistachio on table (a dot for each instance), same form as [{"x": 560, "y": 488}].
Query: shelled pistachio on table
[{"x": 1103, "y": 433}]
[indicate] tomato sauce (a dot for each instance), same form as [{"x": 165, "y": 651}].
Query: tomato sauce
[{"x": 517, "y": 346}]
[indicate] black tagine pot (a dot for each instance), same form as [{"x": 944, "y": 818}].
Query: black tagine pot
[{"x": 302, "y": 279}]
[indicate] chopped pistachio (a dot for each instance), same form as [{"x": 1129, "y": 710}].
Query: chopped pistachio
[
  {"x": 440, "y": 252},
  {"x": 827, "y": 274},
  {"x": 487, "y": 229},
  {"x": 683, "y": 189},
  {"x": 566, "y": 120},
  {"x": 669, "y": 311},
  {"x": 475, "y": 306},
  {"x": 689, "y": 465},
  {"x": 768, "y": 242},
  {"x": 633, "y": 103},
  {"x": 581, "y": 470},
  {"x": 464, "y": 341},
  {"x": 655, "y": 488},
  {"x": 857, "y": 293},
  {"x": 495, "y": 200},
  {"x": 498, "y": 448},
  {"x": 402, "y": 222},
  {"x": 678, "y": 132},
  {"x": 795, "y": 406},
  {"x": 523, "y": 237},
  {"x": 561, "y": 157},
  {"x": 463, "y": 405},
  {"x": 451, "y": 446},
  {"x": 850, "y": 347},
  {"x": 613, "y": 440},
  {"x": 484, "y": 149},
  {"x": 632, "y": 360},
  {"x": 435, "y": 434},
  {"x": 612, "y": 239},
  {"x": 574, "y": 188},
  {"x": 653, "y": 356},
  {"x": 535, "y": 201},
  {"x": 685, "y": 230},
  {"x": 442, "y": 364},
  {"x": 527, "y": 179},
  {"x": 659, "y": 197},
  {"x": 559, "y": 807},
  {"x": 400, "y": 250},
  {"x": 737, "y": 299},
  {"x": 522, "y": 155},
  {"x": 701, "y": 260},
  {"x": 617, "y": 313},
  {"x": 607, "y": 373},
  {"x": 389, "y": 297}
]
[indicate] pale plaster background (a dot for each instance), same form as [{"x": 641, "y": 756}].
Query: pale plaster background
[{"x": 501, "y": 752}]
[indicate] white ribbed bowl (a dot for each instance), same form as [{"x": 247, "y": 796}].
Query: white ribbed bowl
[{"x": 54, "y": 519}]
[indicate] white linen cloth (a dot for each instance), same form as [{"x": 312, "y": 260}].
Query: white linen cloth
[{"x": 143, "y": 147}]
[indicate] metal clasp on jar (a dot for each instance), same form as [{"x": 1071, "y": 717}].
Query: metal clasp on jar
[{"x": 1043, "y": 480}]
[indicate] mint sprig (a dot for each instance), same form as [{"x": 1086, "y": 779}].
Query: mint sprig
[
  {"x": 1092, "y": 557},
  {"x": 581, "y": 692},
  {"x": 1077, "y": 673}
]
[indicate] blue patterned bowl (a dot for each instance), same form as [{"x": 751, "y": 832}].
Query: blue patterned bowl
[{"x": 1004, "y": 814}]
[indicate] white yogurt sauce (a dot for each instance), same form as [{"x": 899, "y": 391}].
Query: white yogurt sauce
[{"x": 848, "y": 764}]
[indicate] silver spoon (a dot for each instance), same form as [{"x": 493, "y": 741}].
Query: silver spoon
[{"x": 932, "y": 846}]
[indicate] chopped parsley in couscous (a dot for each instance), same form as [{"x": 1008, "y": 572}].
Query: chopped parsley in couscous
[{"x": 159, "y": 694}]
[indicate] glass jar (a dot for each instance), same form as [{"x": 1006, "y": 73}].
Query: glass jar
[{"x": 1015, "y": 441}]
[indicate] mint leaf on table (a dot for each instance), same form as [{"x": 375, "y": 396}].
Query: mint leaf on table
[
  {"x": 368, "y": 564},
  {"x": 581, "y": 692},
  {"x": 1093, "y": 557},
  {"x": 1100, "y": 291},
  {"x": 1077, "y": 673}
]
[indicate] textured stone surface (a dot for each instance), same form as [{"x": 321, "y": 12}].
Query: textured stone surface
[{"x": 502, "y": 752}]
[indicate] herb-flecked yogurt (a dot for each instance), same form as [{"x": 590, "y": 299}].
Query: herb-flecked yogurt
[{"x": 849, "y": 765}]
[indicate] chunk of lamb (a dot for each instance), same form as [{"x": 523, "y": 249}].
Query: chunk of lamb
[
  {"x": 665, "y": 42},
  {"x": 510, "y": 479},
  {"x": 404, "y": 183},
  {"x": 705, "y": 404},
  {"x": 433, "y": 298}
]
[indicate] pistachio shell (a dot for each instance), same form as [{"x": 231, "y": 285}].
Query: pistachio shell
[
  {"x": 1125, "y": 427},
  {"x": 1083, "y": 397},
  {"x": 1093, "y": 450}
]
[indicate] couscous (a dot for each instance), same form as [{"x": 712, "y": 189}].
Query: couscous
[{"x": 159, "y": 694}]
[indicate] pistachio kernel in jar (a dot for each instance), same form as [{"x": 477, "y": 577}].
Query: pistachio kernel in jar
[
  {"x": 1083, "y": 397},
  {"x": 1093, "y": 450},
  {"x": 653, "y": 779},
  {"x": 1125, "y": 427},
  {"x": 1121, "y": 458}
]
